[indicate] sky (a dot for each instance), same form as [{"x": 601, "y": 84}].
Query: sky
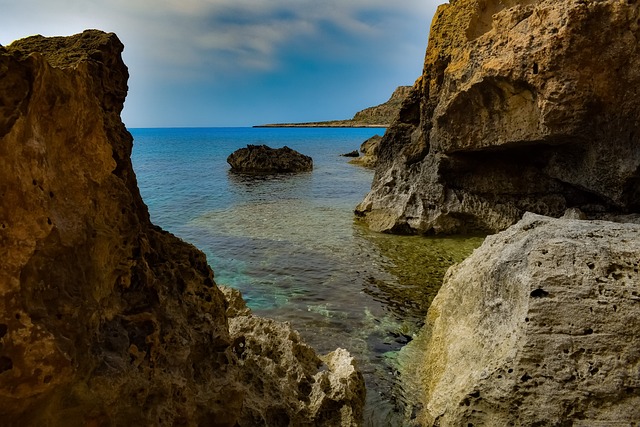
[{"x": 245, "y": 62}]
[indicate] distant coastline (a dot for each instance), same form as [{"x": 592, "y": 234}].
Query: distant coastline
[
  {"x": 379, "y": 116},
  {"x": 334, "y": 124}
]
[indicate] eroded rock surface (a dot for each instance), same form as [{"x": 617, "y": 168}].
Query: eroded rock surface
[
  {"x": 274, "y": 361},
  {"x": 105, "y": 319},
  {"x": 524, "y": 105},
  {"x": 539, "y": 326},
  {"x": 261, "y": 159},
  {"x": 369, "y": 150}
]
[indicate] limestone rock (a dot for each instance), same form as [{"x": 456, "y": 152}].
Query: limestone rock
[
  {"x": 369, "y": 150},
  {"x": 524, "y": 105},
  {"x": 105, "y": 319},
  {"x": 539, "y": 326},
  {"x": 311, "y": 390},
  {"x": 261, "y": 159}
]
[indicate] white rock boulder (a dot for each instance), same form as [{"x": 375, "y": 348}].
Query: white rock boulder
[{"x": 539, "y": 326}]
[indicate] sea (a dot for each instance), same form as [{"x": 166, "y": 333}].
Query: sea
[{"x": 293, "y": 246}]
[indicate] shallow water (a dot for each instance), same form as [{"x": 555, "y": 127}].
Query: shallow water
[{"x": 291, "y": 245}]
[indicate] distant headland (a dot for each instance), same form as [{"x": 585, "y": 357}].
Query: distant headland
[{"x": 379, "y": 116}]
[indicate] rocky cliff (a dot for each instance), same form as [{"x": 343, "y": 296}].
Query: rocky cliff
[
  {"x": 381, "y": 115},
  {"x": 105, "y": 319},
  {"x": 539, "y": 326},
  {"x": 523, "y": 105},
  {"x": 384, "y": 113}
]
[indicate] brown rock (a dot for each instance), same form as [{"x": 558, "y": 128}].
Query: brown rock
[
  {"x": 381, "y": 115},
  {"x": 327, "y": 390},
  {"x": 105, "y": 319},
  {"x": 261, "y": 159},
  {"x": 354, "y": 153},
  {"x": 385, "y": 113},
  {"x": 528, "y": 105},
  {"x": 369, "y": 150},
  {"x": 539, "y": 326}
]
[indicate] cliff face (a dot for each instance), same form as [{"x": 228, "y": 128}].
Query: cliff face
[
  {"x": 523, "y": 105},
  {"x": 105, "y": 319},
  {"x": 384, "y": 113},
  {"x": 539, "y": 326}
]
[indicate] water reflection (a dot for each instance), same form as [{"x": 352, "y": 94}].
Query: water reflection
[{"x": 266, "y": 187}]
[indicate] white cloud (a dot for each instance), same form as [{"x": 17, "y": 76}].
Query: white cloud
[
  {"x": 254, "y": 30},
  {"x": 241, "y": 42}
]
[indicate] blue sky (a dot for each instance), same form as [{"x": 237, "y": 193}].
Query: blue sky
[{"x": 245, "y": 62}]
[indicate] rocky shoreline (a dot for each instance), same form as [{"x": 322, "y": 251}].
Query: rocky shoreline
[
  {"x": 105, "y": 318},
  {"x": 329, "y": 124},
  {"x": 537, "y": 327},
  {"x": 525, "y": 123},
  {"x": 522, "y": 106}
]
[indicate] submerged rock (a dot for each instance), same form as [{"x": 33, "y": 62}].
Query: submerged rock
[
  {"x": 261, "y": 159},
  {"x": 523, "y": 106},
  {"x": 539, "y": 326},
  {"x": 106, "y": 319}
]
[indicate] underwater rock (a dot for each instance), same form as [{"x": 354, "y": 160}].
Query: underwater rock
[
  {"x": 261, "y": 159},
  {"x": 523, "y": 106},
  {"x": 106, "y": 319},
  {"x": 539, "y": 326}
]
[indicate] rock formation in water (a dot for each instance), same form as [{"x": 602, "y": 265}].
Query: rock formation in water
[
  {"x": 105, "y": 319},
  {"x": 381, "y": 115},
  {"x": 354, "y": 153},
  {"x": 524, "y": 105},
  {"x": 369, "y": 150},
  {"x": 261, "y": 160},
  {"x": 539, "y": 326}
]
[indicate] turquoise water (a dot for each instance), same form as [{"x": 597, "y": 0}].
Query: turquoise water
[{"x": 291, "y": 245}]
